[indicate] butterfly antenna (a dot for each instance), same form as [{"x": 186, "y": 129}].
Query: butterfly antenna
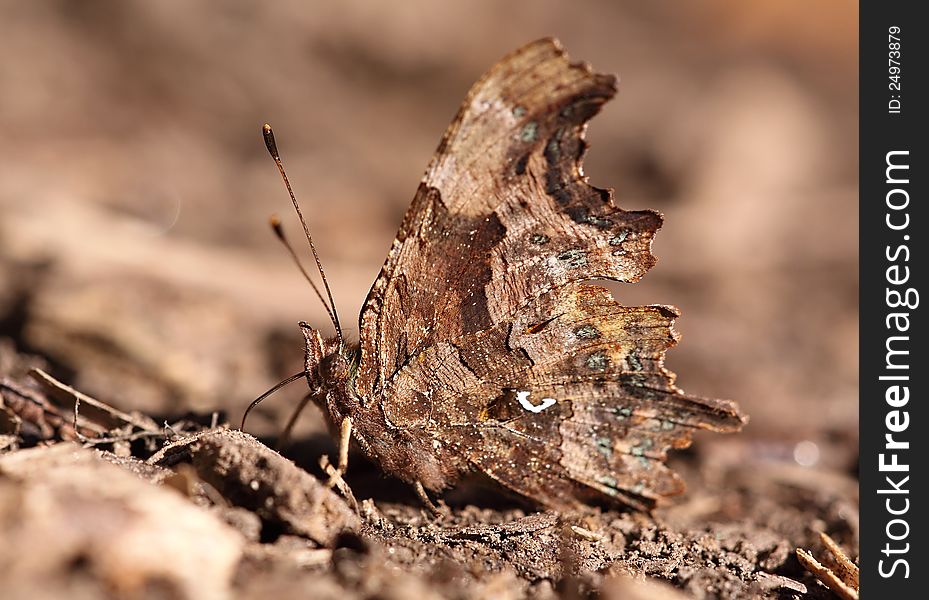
[
  {"x": 272, "y": 150},
  {"x": 276, "y": 387},
  {"x": 279, "y": 232}
]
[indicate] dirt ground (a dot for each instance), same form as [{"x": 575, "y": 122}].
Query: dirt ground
[{"x": 136, "y": 266}]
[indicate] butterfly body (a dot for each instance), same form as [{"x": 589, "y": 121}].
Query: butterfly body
[
  {"x": 407, "y": 453},
  {"x": 484, "y": 346}
]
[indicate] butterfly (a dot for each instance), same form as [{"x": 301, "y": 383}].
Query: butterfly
[{"x": 484, "y": 345}]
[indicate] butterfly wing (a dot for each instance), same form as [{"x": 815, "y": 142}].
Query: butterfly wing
[
  {"x": 502, "y": 231},
  {"x": 503, "y": 214},
  {"x": 591, "y": 411}
]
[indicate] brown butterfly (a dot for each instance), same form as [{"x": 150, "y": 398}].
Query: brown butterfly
[{"x": 483, "y": 348}]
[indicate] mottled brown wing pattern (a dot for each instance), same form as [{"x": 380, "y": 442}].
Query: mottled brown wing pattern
[
  {"x": 503, "y": 215},
  {"x": 568, "y": 401},
  {"x": 479, "y": 339}
]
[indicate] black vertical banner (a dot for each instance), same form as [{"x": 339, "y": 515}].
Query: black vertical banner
[{"x": 894, "y": 372}]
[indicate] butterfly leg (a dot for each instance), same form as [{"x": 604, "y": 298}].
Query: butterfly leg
[
  {"x": 335, "y": 473},
  {"x": 345, "y": 436},
  {"x": 437, "y": 511},
  {"x": 284, "y": 438}
]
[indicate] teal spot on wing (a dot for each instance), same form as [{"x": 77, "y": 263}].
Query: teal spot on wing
[
  {"x": 640, "y": 448},
  {"x": 587, "y": 332},
  {"x": 529, "y": 132},
  {"x": 553, "y": 150},
  {"x": 598, "y": 221},
  {"x": 618, "y": 239},
  {"x": 539, "y": 238},
  {"x": 605, "y": 446},
  {"x": 573, "y": 258},
  {"x": 622, "y": 412},
  {"x": 598, "y": 361}
]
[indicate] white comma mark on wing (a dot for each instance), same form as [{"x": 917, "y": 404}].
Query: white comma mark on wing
[{"x": 523, "y": 398}]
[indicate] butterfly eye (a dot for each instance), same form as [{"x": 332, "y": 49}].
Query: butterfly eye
[{"x": 333, "y": 368}]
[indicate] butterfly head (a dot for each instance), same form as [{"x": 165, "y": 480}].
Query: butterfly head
[
  {"x": 330, "y": 370},
  {"x": 326, "y": 364}
]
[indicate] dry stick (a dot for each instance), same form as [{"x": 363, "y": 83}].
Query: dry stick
[
  {"x": 335, "y": 474},
  {"x": 843, "y": 580},
  {"x": 32, "y": 396},
  {"x": 77, "y": 409},
  {"x": 586, "y": 534},
  {"x": 848, "y": 571},
  {"x": 167, "y": 427},
  {"x": 47, "y": 379},
  {"x": 127, "y": 437},
  {"x": 826, "y": 576},
  {"x": 335, "y": 479}
]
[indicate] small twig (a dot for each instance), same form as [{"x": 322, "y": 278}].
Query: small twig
[
  {"x": 586, "y": 534},
  {"x": 335, "y": 480},
  {"x": 845, "y": 582},
  {"x": 52, "y": 415},
  {"x": 848, "y": 570},
  {"x": 77, "y": 409},
  {"x": 167, "y": 428},
  {"x": 43, "y": 377},
  {"x": 127, "y": 437}
]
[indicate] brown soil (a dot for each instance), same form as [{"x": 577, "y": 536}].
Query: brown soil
[
  {"x": 135, "y": 266},
  {"x": 195, "y": 511}
]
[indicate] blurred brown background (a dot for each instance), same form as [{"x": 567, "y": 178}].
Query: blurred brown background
[{"x": 135, "y": 189}]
